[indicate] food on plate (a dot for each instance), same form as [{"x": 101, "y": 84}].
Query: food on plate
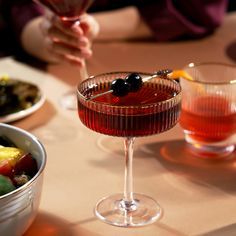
[
  {"x": 16, "y": 95},
  {"x": 17, "y": 166}
]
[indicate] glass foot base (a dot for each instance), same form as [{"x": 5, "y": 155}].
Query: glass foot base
[
  {"x": 209, "y": 150},
  {"x": 112, "y": 210}
]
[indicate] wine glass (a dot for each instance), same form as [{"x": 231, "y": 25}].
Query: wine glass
[
  {"x": 153, "y": 109},
  {"x": 69, "y": 12}
]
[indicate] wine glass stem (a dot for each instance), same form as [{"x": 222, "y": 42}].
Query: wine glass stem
[
  {"x": 128, "y": 202},
  {"x": 84, "y": 71}
]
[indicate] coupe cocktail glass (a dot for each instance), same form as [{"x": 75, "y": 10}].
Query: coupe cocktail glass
[
  {"x": 153, "y": 109},
  {"x": 69, "y": 12}
]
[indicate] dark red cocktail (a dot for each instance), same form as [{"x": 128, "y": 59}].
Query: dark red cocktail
[
  {"x": 67, "y": 9},
  {"x": 152, "y": 109},
  {"x": 209, "y": 125},
  {"x": 137, "y": 114},
  {"x": 208, "y": 112}
]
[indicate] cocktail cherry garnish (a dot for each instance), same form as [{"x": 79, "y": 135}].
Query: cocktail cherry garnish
[
  {"x": 132, "y": 83},
  {"x": 135, "y": 82},
  {"x": 121, "y": 87}
]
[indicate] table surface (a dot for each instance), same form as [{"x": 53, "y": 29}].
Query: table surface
[{"x": 198, "y": 196}]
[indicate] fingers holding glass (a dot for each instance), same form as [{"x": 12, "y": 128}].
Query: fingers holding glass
[
  {"x": 64, "y": 43},
  {"x": 68, "y": 52},
  {"x": 89, "y": 26}
]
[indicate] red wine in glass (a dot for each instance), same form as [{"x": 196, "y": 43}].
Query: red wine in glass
[
  {"x": 153, "y": 109},
  {"x": 67, "y": 9}
]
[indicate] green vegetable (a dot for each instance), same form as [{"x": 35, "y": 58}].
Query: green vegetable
[
  {"x": 6, "y": 185},
  {"x": 16, "y": 95}
]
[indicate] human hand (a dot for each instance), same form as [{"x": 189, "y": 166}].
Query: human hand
[{"x": 67, "y": 41}]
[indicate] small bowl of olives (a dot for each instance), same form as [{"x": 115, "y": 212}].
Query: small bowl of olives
[{"x": 22, "y": 164}]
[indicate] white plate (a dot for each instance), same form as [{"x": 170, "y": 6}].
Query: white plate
[{"x": 26, "y": 112}]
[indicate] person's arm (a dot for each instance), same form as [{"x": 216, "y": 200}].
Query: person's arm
[
  {"x": 122, "y": 24},
  {"x": 179, "y": 19},
  {"x": 162, "y": 20}
]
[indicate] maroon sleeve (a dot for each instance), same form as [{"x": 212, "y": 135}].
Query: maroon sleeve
[
  {"x": 22, "y": 14},
  {"x": 174, "y": 19}
]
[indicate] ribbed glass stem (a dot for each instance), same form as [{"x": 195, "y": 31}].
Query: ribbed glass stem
[{"x": 128, "y": 202}]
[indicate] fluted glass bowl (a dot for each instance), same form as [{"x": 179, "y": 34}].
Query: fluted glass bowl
[{"x": 19, "y": 208}]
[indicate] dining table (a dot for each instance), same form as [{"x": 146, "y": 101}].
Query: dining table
[{"x": 197, "y": 195}]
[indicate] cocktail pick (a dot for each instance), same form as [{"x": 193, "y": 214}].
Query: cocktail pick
[{"x": 133, "y": 82}]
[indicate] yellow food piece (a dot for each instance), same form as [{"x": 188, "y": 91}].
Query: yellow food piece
[
  {"x": 175, "y": 74},
  {"x": 11, "y": 154},
  {"x": 5, "y": 77}
]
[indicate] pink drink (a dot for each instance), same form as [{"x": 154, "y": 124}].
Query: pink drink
[{"x": 67, "y": 9}]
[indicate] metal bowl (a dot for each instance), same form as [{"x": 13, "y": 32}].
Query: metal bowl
[{"x": 19, "y": 208}]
